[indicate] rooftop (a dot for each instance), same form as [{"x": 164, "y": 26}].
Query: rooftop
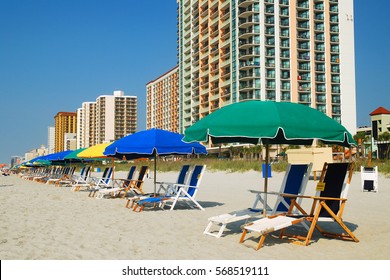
[{"x": 380, "y": 111}]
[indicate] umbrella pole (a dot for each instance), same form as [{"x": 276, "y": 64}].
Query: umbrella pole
[
  {"x": 113, "y": 171},
  {"x": 155, "y": 172},
  {"x": 266, "y": 179}
]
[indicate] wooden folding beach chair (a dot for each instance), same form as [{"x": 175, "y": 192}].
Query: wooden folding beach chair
[{"x": 328, "y": 206}]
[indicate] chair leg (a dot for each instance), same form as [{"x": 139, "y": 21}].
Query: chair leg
[
  {"x": 221, "y": 230},
  {"x": 217, "y": 235},
  {"x": 244, "y": 232},
  {"x": 128, "y": 204},
  {"x": 261, "y": 241},
  {"x": 349, "y": 236}
]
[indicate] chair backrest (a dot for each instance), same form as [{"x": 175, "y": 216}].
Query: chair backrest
[
  {"x": 294, "y": 182},
  {"x": 86, "y": 173},
  {"x": 130, "y": 176},
  {"x": 196, "y": 177},
  {"x": 82, "y": 171},
  {"x": 141, "y": 175},
  {"x": 334, "y": 176},
  {"x": 107, "y": 178},
  {"x": 181, "y": 179}
]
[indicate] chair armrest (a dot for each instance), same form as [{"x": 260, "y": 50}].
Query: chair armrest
[
  {"x": 261, "y": 192},
  {"x": 312, "y": 197}
]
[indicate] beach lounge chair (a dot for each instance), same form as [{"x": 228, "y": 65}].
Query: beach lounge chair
[
  {"x": 134, "y": 186},
  {"x": 31, "y": 173},
  {"x": 66, "y": 175},
  {"x": 72, "y": 178},
  {"x": 369, "y": 178},
  {"x": 79, "y": 179},
  {"x": 184, "y": 193},
  {"x": 294, "y": 182},
  {"x": 52, "y": 175},
  {"x": 89, "y": 181},
  {"x": 165, "y": 188},
  {"x": 328, "y": 206},
  {"x": 45, "y": 173},
  {"x": 119, "y": 184},
  {"x": 100, "y": 183}
]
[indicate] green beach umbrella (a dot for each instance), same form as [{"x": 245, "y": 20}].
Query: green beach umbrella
[
  {"x": 74, "y": 155},
  {"x": 268, "y": 122}
]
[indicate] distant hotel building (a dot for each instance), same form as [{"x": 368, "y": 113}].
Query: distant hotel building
[
  {"x": 380, "y": 120},
  {"x": 51, "y": 139},
  {"x": 65, "y": 122},
  {"x": 283, "y": 50},
  {"x": 162, "y": 102},
  {"x": 109, "y": 118},
  {"x": 86, "y": 125}
]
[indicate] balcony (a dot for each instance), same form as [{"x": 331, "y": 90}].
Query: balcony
[
  {"x": 321, "y": 98},
  {"x": 303, "y": 5},
  {"x": 283, "y": 2}
]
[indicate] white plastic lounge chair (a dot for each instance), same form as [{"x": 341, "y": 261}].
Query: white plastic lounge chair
[
  {"x": 66, "y": 175},
  {"x": 101, "y": 183},
  {"x": 79, "y": 179},
  {"x": 328, "y": 206},
  {"x": 72, "y": 178},
  {"x": 294, "y": 182},
  {"x": 369, "y": 178},
  {"x": 45, "y": 173},
  {"x": 88, "y": 182},
  {"x": 184, "y": 193},
  {"x": 120, "y": 183}
]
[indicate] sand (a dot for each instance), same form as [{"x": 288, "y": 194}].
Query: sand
[{"x": 42, "y": 222}]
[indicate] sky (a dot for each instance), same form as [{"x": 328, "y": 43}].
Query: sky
[{"x": 56, "y": 54}]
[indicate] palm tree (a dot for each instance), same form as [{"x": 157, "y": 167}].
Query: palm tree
[
  {"x": 385, "y": 145},
  {"x": 361, "y": 138}
]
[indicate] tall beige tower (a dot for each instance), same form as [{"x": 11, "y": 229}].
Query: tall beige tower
[
  {"x": 283, "y": 50},
  {"x": 162, "y": 102}
]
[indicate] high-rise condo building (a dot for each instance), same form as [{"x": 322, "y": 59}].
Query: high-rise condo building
[
  {"x": 51, "y": 139},
  {"x": 65, "y": 122},
  {"x": 162, "y": 102},
  {"x": 109, "y": 118},
  {"x": 283, "y": 50}
]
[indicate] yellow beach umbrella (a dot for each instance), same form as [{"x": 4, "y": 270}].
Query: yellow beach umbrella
[{"x": 96, "y": 152}]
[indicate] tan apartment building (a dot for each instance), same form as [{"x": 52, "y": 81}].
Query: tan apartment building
[
  {"x": 64, "y": 122},
  {"x": 281, "y": 50},
  {"x": 380, "y": 120},
  {"x": 109, "y": 118},
  {"x": 162, "y": 102}
]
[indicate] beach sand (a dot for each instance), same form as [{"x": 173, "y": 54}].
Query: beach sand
[{"x": 42, "y": 222}]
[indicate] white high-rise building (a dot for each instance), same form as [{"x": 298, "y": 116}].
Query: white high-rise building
[
  {"x": 51, "y": 139},
  {"x": 109, "y": 118}
]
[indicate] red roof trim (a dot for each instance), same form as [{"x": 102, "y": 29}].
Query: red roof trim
[{"x": 380, "y": 111}]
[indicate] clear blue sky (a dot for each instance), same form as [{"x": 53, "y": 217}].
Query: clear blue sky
[{"x": 56, "y": 54}]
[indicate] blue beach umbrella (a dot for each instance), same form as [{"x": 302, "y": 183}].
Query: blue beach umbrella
[
  {"x": 38, "y": 162},
  {"x": 58, "y": 158},
  {"x": 152, "y": 143}
]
